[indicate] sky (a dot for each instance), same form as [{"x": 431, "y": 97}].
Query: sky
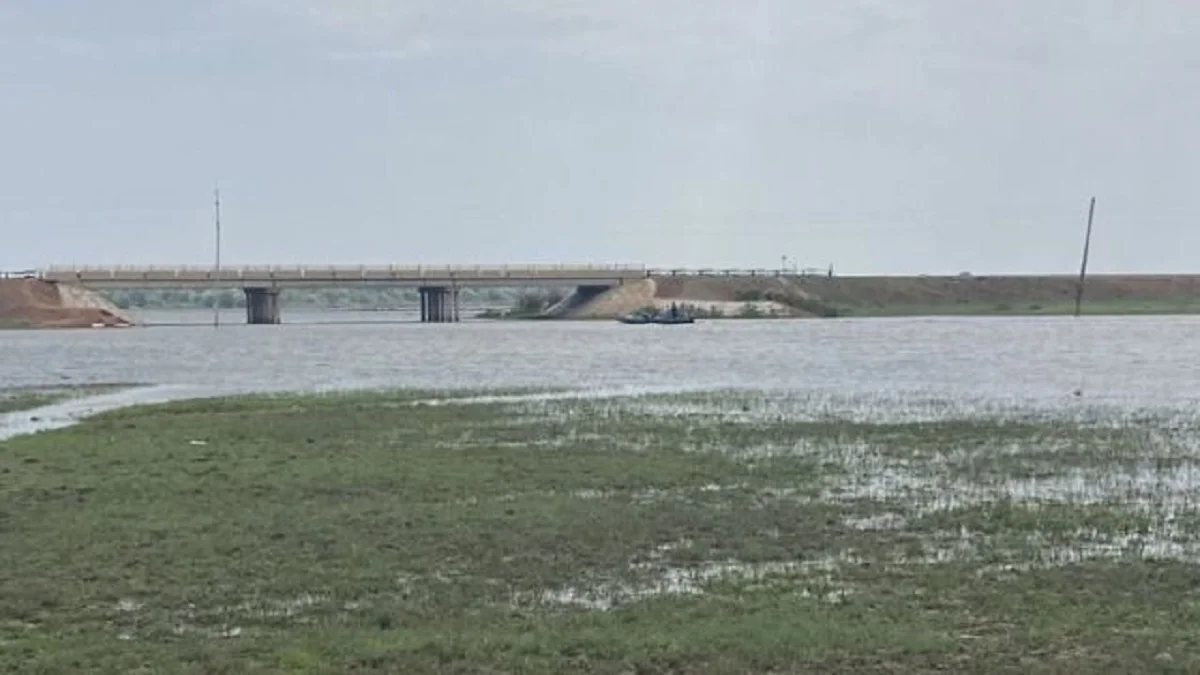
[{"x": 879, "y": 136}]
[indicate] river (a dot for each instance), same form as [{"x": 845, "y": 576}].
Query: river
[{"x": 1126, "y": 361}]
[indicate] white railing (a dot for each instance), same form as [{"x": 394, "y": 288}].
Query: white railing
[{"x": 731, "y": 272}]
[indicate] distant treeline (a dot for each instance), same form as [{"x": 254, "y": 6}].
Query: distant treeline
[{"x": 324, "y": 298}]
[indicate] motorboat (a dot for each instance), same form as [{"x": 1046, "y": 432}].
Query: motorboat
[{"x": 668, "y": 316}]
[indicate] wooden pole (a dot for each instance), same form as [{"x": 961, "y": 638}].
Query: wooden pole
[
  {"x": 1087, "y": 242},
  {"x": 217, "y": 261}
]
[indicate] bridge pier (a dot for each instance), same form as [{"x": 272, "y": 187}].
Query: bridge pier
[
  {"x": 439, "y": 304},
  {"x": 262, "y": 305}
]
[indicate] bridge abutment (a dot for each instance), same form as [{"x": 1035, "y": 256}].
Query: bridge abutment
[
  {"x": 439, "y": 304},
  {"x": 262, "y": 305}
]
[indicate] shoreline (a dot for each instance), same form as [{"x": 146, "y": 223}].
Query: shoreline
[
  {"x": 71, "y": 409},
  {"x": 78, "y": 405},
  {"x": 766, "y": 294},
  {"x": 1131, "y": 308}
]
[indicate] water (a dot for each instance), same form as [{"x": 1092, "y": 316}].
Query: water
[
  {"x": 68, "y": 412},
  {"x": 293, "y": 316},
  {"x": 894, "y": 364},
  {"x": 1127, "y": 361}
]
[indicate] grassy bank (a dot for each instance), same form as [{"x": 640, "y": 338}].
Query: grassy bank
[
  {"x": 14, "y": 400},
  {"x": 715, "y": 533},
  {"x": 1132, "y": 307}
]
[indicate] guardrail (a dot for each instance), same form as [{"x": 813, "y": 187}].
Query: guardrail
[
  {"x": 512, "y": 267},
  {"x": 231, "y": 273},
  {"x": 116, "y": 270},
  {"x": 285, "y": 274},
  {"x": 709, "y": 272}
]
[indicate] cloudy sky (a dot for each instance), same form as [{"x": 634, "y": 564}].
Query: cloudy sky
[{"x": 883, "y": 136}]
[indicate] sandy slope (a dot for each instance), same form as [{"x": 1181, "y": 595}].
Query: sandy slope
[
  {"x": 37, "y": 304},
  {"x": 662, "y": 293}
]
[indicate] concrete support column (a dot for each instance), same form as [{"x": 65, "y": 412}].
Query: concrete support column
[
  {"x": 439, "y": 304},
  {"x": 262, "y": 305}
]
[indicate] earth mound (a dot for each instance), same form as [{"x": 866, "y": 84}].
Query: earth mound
[
  {"x": 33, "y": 303},
  {"x": 707, "y": 297}
]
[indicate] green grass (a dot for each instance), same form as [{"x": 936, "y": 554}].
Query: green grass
[
  {"x": 719, "y": 533},
  {"x": 1129, "y": 307}
]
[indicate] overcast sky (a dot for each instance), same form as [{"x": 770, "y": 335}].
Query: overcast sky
[{"x": 883, "y": 136}]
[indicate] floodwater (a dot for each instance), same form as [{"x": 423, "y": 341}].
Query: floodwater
[
  {"x": 799, "y": 369},
  {"x": 1125, "y": 361}
]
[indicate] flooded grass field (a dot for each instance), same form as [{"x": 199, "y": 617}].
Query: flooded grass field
[
  {"x": 712, "y": 532},
  {"x": 28, "y": 398}
]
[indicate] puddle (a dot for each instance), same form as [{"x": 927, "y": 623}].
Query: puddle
[
  {"x": 765, "y": 406},
  {"x": 559, "y": 395},
  {"x": 668, "y": 580},
  {"x": 880, "y": 523},
  {"x": 814, "y": 579},
  {"x": 1040, "y": 553},
  {"x": 268, "y": 609},
  {"x": 1146, "y": 485}
]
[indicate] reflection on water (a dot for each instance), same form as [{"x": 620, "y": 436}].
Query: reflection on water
[
  {"x": 1142, "y": 361},
  {"x": 297, "y": 316}
]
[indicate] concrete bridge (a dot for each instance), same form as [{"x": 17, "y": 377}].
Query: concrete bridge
[{"x": 438, "y": 285}]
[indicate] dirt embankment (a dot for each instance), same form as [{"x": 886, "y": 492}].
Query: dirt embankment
[
  {"x": 708, "y": 297},
  {"x": 733, "y": 296},
  {"x": 864, "y": 296},
  {"x": 32, "y": 303}
]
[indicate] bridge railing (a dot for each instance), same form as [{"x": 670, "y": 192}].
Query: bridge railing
[
  {"x": 295, "y": 272},
  {"x": 723, "y": 272},
  {"x": 167, "y": 269},
  {"x": 193, "y": 274}
]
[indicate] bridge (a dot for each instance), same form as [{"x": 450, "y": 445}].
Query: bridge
[{"x": 438, "y": 285}]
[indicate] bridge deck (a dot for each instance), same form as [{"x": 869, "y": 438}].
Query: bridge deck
[{"x": 310, "y": 275}]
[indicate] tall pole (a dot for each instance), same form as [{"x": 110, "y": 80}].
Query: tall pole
[
  {"x": 1087, "y": 243},
  {"x": 217, "y": 262}
]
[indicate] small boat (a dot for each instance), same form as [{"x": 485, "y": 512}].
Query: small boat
[
  {"x": 680, "y": 318},
  {"x": 636, "y": 318},
  {"x": 669, "y": 316}
]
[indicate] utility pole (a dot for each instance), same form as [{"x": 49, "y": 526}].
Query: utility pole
[
  {"x": 1087, "y": 243},
  {"x": 217, "y": 262}
]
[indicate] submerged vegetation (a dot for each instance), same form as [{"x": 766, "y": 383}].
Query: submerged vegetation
[
  {"x": 698, "y": 533},
  {"x": 26, "y": 400}
]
